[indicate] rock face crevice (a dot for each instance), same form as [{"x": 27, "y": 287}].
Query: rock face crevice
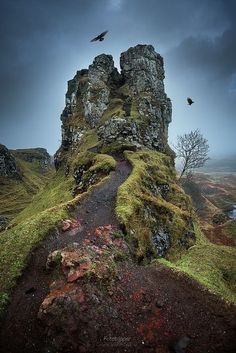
[
  {"x": 8, "y": 166},
  {"x": 104, "y": 106}
]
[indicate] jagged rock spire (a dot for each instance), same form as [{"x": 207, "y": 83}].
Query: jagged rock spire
[{"x": 128, "y": 107}]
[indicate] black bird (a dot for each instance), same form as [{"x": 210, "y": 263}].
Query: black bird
[
  {"x": 100, "y": 37},
  {"x": 190, "y": 101}
]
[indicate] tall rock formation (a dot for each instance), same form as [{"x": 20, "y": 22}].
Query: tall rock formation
[{"x": 104, "y": 106}]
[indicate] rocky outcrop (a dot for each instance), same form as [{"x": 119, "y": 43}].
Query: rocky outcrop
[
  {"x": 120, "y": 129},
  {"x": 8, "y": 166},
  {"x": 40, "y": 156},
  {"x": 104, "y": 106},
  {"x": 161, "y": 241},
  {"x": 101, "y": 75},
  {"x": 3, "y": 222}
]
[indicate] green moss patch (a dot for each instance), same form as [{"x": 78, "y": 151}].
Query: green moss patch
[
  {"x": 17, "y": 243},
  {"x": 115, "y": 108},
  {"x": 213, "y": 266},
  {"x": 142, "y": 206},
  {"x": 89, "y": 140}
]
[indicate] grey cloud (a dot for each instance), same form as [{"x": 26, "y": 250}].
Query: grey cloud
[{"x": 44, "y": 42}]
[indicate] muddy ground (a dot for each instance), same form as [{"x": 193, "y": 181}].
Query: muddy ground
[{"x": 146, "y": 309}]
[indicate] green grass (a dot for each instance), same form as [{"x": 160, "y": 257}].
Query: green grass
[
  {"x": 141, "y": 209},
  {"x": 89, "y": 140},
  {"x": 229, "y": 228},
  {"x": 25, "y": 153},
  {"x": 15, "y": 195},
  {"x": 213, "y": 266},
  {"x": 42, "y": 216},
  {"x": 56, "y": 192},
  {"x": 115, "y": 108},
  {"x": 17, "y": 243}
]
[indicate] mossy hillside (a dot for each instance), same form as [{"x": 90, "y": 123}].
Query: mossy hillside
[
  {"x": 141, "y": 207},
  {"x": 213, "y": 266},
  {"x": 16, "y": 244},
  {"x": 15, "y": 195},
  {"x": 28, "y": 154},
  {"x": 56, "y": 192},
  {"x": 43, "y": 216},
  {"x": 59, "y": 190}
]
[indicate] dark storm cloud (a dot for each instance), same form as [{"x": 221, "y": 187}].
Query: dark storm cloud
[
  {"x": 43, "y": 43},
  {"x": 205, "y": 66}
]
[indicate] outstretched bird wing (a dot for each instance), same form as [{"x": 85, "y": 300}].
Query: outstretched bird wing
[
  {"x": 103, "y": 34},
  {"x": 99, "y": 36},
  {"x": 94, "y": 39}
]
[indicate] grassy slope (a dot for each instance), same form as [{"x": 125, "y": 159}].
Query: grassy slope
[
  {"x": 46, "y": 212},
  {"x": 211, "y": 265},
  {"x": 219, "y": 190},
  {"x": 229, "y": 228},
  {"x": 15, "y": 195}
]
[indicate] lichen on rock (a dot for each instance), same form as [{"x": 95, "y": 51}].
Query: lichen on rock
[
  {"x": 127, "y": 107},
  {"x": 8, "y": 167}
]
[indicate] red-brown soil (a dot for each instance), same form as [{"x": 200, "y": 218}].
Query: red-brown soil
[
  {"x": 217, "y": 236},
  {"x": 146, "y": 309}
]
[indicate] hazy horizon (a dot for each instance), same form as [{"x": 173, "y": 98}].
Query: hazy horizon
[{"x": 45, "y": 43}]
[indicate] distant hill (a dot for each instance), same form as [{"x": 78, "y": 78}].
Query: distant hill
[
  {"x": 22, "y": 174},
  {"x": 220, "y": 165}
]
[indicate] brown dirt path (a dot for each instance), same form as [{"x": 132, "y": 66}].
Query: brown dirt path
[
  {"x": 146, "y": 309},
  {"x": 156, "y": 307},
  {"x": 21, "y": 331}
]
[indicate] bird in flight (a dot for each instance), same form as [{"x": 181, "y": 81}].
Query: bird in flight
[
  {"x": 190, "y": 101},
  {"x": 100, "y": 37}
]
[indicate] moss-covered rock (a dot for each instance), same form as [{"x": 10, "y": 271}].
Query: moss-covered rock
[
  {"x": 103, "y": 106},
  {"x": 153, "y": 207}
]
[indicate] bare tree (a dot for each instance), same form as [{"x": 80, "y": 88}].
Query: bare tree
[{"x": 193, "y": 149}]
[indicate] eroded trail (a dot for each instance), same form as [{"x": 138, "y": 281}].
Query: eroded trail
[
  {"x": 21, "y": 331},
  {"x": 144, "y": 309}
]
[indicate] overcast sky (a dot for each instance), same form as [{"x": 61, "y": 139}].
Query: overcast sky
[{"x": 44, "y": 42}]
